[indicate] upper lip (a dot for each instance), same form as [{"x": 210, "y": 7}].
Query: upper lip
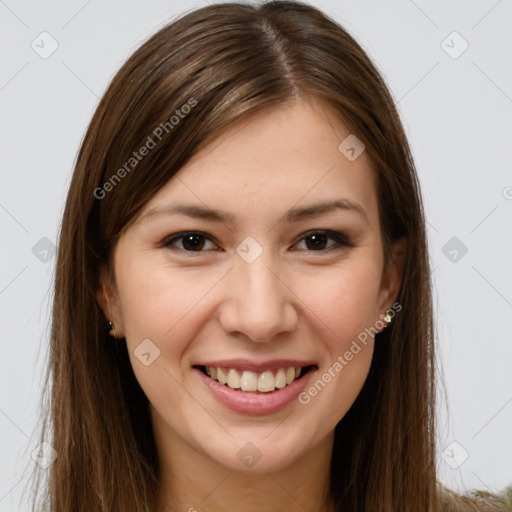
[{"x": 254, "y": 366}]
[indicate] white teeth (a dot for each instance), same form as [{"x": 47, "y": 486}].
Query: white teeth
[
  {"x": 280, "y": 378},
  {"x": 233, "y": 379},
  {"x": 222, "y": 376},
  {"x": 249, "y": 381},
  {"x": 264, "y": 382}
]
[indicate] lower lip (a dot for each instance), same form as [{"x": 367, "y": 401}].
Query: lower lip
[{"x": 251, "y": 402}]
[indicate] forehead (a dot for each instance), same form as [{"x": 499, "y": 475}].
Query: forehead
[{"x": 272, "y": 161}]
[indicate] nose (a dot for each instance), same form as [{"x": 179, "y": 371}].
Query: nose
[{"x": 259, "y": 304}]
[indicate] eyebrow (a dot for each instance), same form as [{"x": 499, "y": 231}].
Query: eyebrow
[{"x": 293, "y": 215}]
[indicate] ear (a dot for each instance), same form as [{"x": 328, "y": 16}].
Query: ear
[
  {"x": 392, "y": 276},
  {"x": 108, "y": 299}
]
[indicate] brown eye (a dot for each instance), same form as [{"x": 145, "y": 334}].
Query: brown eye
[
  {"x": 190, "y": 241},
  {"x": 316, "y": 241}
]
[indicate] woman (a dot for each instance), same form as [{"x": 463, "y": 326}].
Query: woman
[{"x": 242, "y": 316}]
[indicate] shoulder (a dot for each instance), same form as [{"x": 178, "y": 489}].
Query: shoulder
[{"x": 475, "y": 501}]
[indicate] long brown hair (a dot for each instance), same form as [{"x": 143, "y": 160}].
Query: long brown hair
[{"x": 225, "y": 62}]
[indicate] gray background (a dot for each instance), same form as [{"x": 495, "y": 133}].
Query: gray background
[{"x": 456, "y": 108}]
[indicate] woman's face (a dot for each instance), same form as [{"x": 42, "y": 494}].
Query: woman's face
[{"x": 278, "y": 283}]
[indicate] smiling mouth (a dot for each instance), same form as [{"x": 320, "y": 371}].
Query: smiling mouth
[{"x": 247, "y": 381}]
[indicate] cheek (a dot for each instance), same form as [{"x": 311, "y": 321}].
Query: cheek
[
  {"x": 163, "y": 304},
  {"x": 342, "y": 308},
  {"x": 344, "y": 299}
]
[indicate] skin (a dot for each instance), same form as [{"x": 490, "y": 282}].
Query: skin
[{"x": 293, "y": 301}]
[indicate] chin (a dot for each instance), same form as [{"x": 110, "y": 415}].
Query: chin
[{"x": 256, "y": 454}]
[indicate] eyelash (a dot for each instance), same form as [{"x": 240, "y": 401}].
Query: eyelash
[{"x": 341, "y": 240}]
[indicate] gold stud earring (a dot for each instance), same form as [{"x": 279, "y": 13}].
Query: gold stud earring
[
  {"x": 108, "y": 326},
  {"x": 387, "y": 319}
]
